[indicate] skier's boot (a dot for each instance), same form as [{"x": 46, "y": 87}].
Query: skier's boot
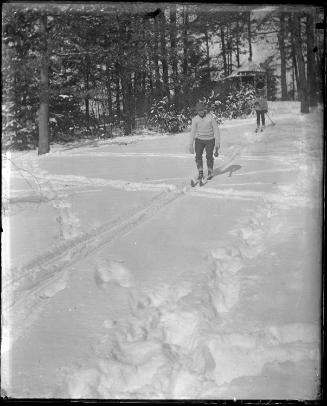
[
  {"x": 262, "y": 128},
  {"x": 210, "y": 173},
  {"x": 200, "y": 175},
  {"x": 257, "y": 129}
]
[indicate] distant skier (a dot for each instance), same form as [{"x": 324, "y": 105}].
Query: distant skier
[
  {"x": 204, "y": 135},
  {"x": 261, "y": 108}
]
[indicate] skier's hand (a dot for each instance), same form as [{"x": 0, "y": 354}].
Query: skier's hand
[
  {"x": 191, "y": 149},
  {"x": 216, "y": 152}
]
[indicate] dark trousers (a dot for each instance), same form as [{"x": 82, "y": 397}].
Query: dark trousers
[
  {"x": 260, "y": 113},
  {"x": 209, "y": 146}
]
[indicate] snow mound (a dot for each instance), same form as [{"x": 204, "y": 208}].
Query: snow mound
[
  {"x": 289, "y": 333},
  {"x": 112, "y": 379},
  {"x": 166, "y": 296},
  {"x": 137, "y": 352},
  {"x": 111, "y": 271},
  {"x": 224, "y": 293},
  {"x": 234, "y": 359},
  {"x": 82, "y": 383},
  {"x": 181, "y": 328},
  {"x": 186, "y": 385}
]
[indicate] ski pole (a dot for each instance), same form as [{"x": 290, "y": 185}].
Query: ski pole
[{"x": 270, "y": 119}]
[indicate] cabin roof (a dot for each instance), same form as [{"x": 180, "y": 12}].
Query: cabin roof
[{"x": 248, "y": 68}]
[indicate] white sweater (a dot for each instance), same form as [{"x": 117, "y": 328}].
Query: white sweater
[{"x": 204, "y": 128}]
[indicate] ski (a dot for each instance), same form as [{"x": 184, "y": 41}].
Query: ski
[
  {"x": 200, "y": 182},
  {"x": 194, "y": 182}
]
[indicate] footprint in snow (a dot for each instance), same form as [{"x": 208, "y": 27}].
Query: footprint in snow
[
  {"x": 112, "y": 271},
  {"x": 57, "y": 284}
]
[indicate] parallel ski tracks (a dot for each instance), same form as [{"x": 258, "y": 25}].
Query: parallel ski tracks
[
  {"x": 70, "y": 250},
  {"x": 25, "y": 287},
  {"x": 24, "y": 294},
  {"x": 65, "y": 254}
]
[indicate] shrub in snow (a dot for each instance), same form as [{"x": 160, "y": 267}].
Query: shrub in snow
[
  {"x": 226, "y": 103},
  {"x": 19, "y": 129},
  {"x": 164, "y": 116},
  {"x": 231, "y": 102}
]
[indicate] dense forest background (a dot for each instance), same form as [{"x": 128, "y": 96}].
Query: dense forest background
[{"x": 72, "y": 71}]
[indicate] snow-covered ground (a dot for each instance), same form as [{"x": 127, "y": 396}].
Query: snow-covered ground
[{"x": 121, "y": 281}]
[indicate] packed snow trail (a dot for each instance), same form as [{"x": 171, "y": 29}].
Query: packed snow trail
[
  {"x": 235, "y": 311},
  {"x": 47, "y": 274}
]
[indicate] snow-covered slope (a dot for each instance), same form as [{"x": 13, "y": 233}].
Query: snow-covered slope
[{"x": 121, "y": 281}]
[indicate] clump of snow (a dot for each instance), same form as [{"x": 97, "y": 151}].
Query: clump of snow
[
  {"x": 112, "y": 271},
  {"x": 304, "y": 332},
  {"x": 57, "y": 284}
]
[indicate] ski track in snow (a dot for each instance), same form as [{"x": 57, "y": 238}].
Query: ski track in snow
[
  {"x": 174, "y": 343},
  {"x": 44, "y": 276},
  {"x": 47, "y": 274}
]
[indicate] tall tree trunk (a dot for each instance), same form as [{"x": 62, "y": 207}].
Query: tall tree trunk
[
  {"x": 294, "y": 63},
  {"x": 303, "y": 86},
  {"x": 296, "y": 73},
  {"x": 43, "y": 113},
  {"x": 230, "y": 49},
  {"x": 109, "y": 92},
  {"x": 185, "y": 68},
  {"x": 249, "y": 36},
  {"x": 281, "y": 42},
  {"x": 227, "y": 49},
  {"x": 223, "y": 50},
  {"x": 206, "y": 38},
  {"x": 185, "y": 42},
  {"x": 311, "y": 64},
  {"x": 156, "y": 59},
  {"x": 127, "y": 84},
  {"x": 139, "y": 92},
  {"x": 117, "y": 89},
  {"x": 127, "y": 100},
  {"x": 143, "y": 89},
  {"x": 238, "y": 44},
  {"x": 164, "y": 61},
  {"x": 134, "y": 90},
  {"x": 293, "y": 81},
  {"x": 144, "y": 85},
  {"x": 150, "y": 79},
  {"x": 87, "y": 87},
  {"x": 173, "y": 54}
]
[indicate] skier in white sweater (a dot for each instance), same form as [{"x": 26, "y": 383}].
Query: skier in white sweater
[{"x": 204, "y": 135}]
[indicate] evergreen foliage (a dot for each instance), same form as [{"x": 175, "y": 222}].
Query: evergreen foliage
[
  {"x": 110, "y": 64},
  {"x": 227, "y": 103}
]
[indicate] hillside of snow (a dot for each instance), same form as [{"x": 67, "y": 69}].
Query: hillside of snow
[{"x": 120, "y": 281}]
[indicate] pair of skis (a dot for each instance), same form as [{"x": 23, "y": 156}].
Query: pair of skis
[
  {"x": 231, "y": 154},
  {"x": 200, "y": 182}
]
